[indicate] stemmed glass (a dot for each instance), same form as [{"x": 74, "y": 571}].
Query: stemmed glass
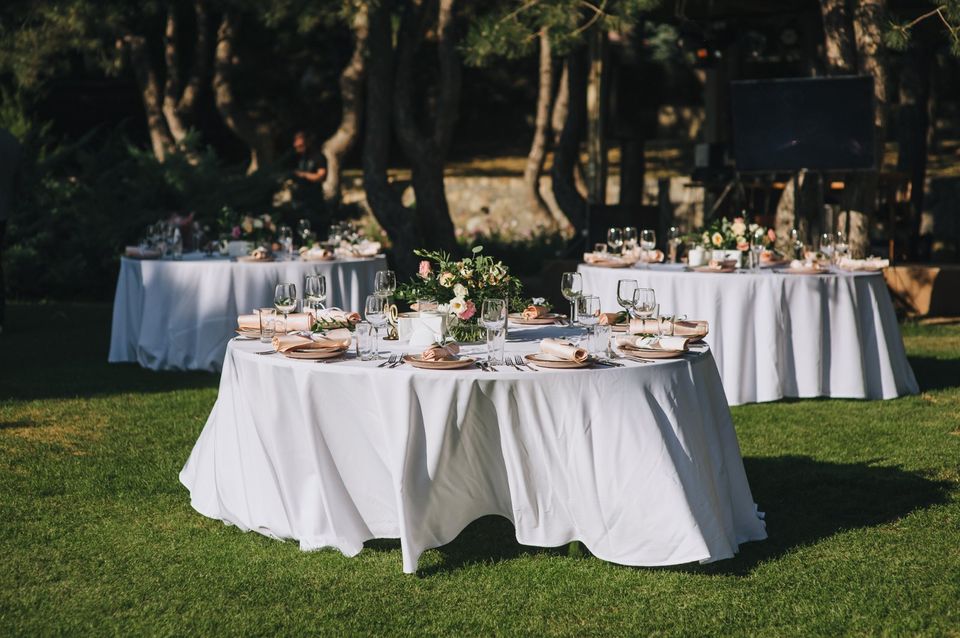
[
  {"x": 315, "y": 291},
  {"x": 285, "y": 301},
  {"x": 571, "y": 286},
  {"x": 285, "y": 236},
  {"x": 757, "y": 241},
  {"x": 625, "y": 292},
  {"x": 615, "y": 240},
  {"x": 588, "y": 312},
  {"x": 385, "y": 283},
  {"x": 304, "y": 231},
  {"x": 629, "y": 238},
  {"x": 796, "y": 243},
  {"x": 841, "y": 247},
  {"x": 375, "y": 311},
  {"x": 493, "y": 316},
  {"x": 674, "y": 239},
  {"x": 644, "y": 304},
  {"x": 826, "y": 245},
  {"x": 648, "y": 240}
]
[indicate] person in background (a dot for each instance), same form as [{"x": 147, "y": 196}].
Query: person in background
[
  {"x": 308, "y": 176},
  {"x": 10, "y": 160}
]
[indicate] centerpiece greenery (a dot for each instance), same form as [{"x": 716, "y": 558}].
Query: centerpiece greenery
[
  {"x": 257, "y": 229},
  {"x": 723, "y": 234},
  {"x": 459, "y": 288}
]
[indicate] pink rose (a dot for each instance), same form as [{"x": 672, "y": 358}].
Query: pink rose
[
  {"x": 743, "y": 245},
  {"x": 738, "y": 220},
  {"x": 771, "y": 235},
  {"x": 468, "y": 312},
  {"x": 425, "y": 269},
  {"x": 236, "y": 232}
]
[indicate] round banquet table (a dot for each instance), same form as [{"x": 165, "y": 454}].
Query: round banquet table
[
  {"x": 640, "y": 463},
  {"x": 179, "y": 315},
  {"x": 777, "y": 335}
]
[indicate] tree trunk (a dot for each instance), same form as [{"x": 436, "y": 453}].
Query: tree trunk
[
  {"x": 596, "y": 117},
  {"x": 914, "y": 131},
  {"x": 160, "y": 138},
  {"x": 538, "y": 147},
  {"x": 566, "y": 155},
  {"x": 179, "y": 103},
  {"x": 841, "y": 53},
  {"x": 256, "y": 135},
  {"x": 383, "y": 200},
  {"x": 558, "y": 115},
  {"x": 351, "y": 98},
  {"x": 426, "y": 153}
]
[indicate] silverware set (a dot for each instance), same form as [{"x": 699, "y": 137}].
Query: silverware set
[
  {"x": 392, "y": 361},
  {"x": 513, "y": 361}
]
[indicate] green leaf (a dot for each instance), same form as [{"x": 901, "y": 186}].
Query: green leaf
[{"x": 477, "y": 249}]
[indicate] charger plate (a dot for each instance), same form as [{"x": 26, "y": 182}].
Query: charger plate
[
  {"x": 544, "y": 360},
  {"x": 653, "y": 353},
  {"x": 447, "y": 364},
  {"x": 315, "y": 354},
  {"x": 546, "y": 320}
]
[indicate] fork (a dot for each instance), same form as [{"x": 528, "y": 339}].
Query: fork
[
  {"x": 520, "y": 362},
  {"x": 398, "y": 362},
  {"x": 267, "y": 352},
  {"x": 390, "y": 360}
]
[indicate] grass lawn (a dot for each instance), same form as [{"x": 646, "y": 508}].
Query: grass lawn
[{"x": 98, "y": 537}]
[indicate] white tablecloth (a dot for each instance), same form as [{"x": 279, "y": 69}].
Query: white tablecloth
[
  {"x": 778, "y": 335},
  {"x": 640, "y": 463},
  {"x": 179, "y": 315}
]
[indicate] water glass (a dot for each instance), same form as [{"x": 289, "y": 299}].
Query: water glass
[
  {"x": 601, "y": 339},
  {"x": 841, "y": 247},
  {"x": 625, "y": 291},
  {"x": 674, "y": 240},
  {"x": 493, "y": 316},
  {"x": 629, "y": 238},
  {"x": 285, "y": 300},
  {"x": 588, "y": 312},
  {"x": 644, "y": 302},
  {"x": 366, "y": 341},
  {"x": 375, "y": 311},
  {"x": 314, "y": 292},
  {"x": 667, "y": 325},
  {"x": 571, "y": 286},
  {"x": 826, "y": 245},
  {"x": 426, "y": 306},
  {"x": 268, "y": 323},
  {"x": 648, "y": 240},
  {"x": 757, "y": 241}
]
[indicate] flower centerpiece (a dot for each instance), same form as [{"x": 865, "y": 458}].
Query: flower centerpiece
[
  {"x": 733, "y": 236},
  {"x": 460, "y": 286},
  {"x": 259, "y": 230}
]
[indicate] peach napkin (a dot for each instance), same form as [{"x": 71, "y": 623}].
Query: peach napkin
[
  {"x": 611, "y": 318},
  {"x": 690, "y": 328},
  {"x": 441, "y": 353},
  {"x": 334, "y": 340},
  {"x": 336, "y": 314},
  {"x": 534, "y": 312},
  {"x": 652, "y": 256},
  {"x": 295, "y": 321},
  {"x": 136, "y": 252},
  {"x": 563, "y": 350},
  {"x": 653, "y": 343}
]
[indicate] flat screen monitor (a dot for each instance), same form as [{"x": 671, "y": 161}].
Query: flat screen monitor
[{"x": 814, "y": 123}]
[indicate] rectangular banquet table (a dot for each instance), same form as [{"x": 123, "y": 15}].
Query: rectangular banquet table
[
  {"x": 179, "y": 315},
  {"x": 777, "y": 335},
  {"x": 640, "y": 463}
]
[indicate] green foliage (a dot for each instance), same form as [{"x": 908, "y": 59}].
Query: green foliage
[
  {"x": 509, "y": 29},
  {"x": 84, "y": 204}
]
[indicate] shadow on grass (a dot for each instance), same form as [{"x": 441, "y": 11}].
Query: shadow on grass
[
  {"x": 805, "y": 501},
  {"x": 936, "y": 374},
  {"x": 59, "y": 351}
]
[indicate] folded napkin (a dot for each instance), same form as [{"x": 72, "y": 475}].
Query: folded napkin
[
  {"x": 446, "y": 352},
  {"x": 612, "y": 318},
  {"x": 653, "y": 343},
  {"x": 336, "y": 314},
  {"x": 534, "y": 312},
  {"x": 136, "y": 252},
  {"x": 652, "y": 256},
  {"x": 796, "y": 264},
  {"x": 295, "y": 321},
  {"x": 690, "y": 328},
  {"x": 333, "y": 340},
  {"x": 604, "y": 258},
  {"x": 563, "y": 350},
  {"x": 871, "y": 263}
]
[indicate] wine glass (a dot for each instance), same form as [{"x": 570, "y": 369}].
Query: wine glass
[
  {"x": 385, "y": 283},
  {"x": 674, "y": 239},
  {"x": 648, "y": 239},
  {"x": 285, "y": 237},
  {"x": 571, "y": 286},
  {"x": 629, "y": 238},
  {"x": 826, "y": 245},
  {"x": 304, "y": 231},
  {"x": 615, "y": 240},
  {"x": 375, "y": 311},
  {"x": 796, "y": 243},
  {"x": 644, "y": 304},
  {"x": 757, "y": 241},
  {"x": 493, "y": 316},
  {"x": 588, "y": 313},
  {"x": 841, "y": 247},
  {"x": 625, "y": 290},
  {"x": 315, "y": 291},
  {"x": 285, "y": 300}
]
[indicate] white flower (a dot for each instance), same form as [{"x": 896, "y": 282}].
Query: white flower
[
  {"x": 457, "y": 305},
  {"x": 443, "y": 308},
  {"x": 460, "y": 291},
  {"x": 258, "y": 223},
  {"x": 738, "y": 227}
]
